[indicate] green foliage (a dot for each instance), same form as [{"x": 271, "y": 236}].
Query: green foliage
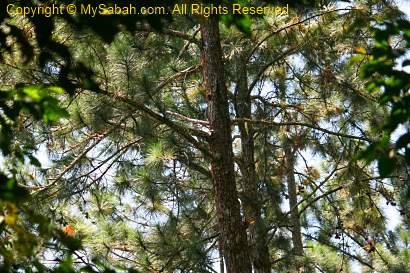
[
  {"x": 10, "y": 191},
  {"x": 38, "y": 101},
  {"x": 130, "y": 165},
  {"x": 19, "y": 225},
  {"x": 386, "y": 74}
]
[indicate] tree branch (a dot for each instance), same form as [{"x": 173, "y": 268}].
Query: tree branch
[{"x": 273, "y": 123}]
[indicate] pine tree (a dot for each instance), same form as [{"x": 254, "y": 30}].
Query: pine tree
[
  {"x": 131, "y": 171},
  {"x": 232, "y": 231}
]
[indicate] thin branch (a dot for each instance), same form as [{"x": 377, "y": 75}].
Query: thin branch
[
  {"x": 293, "y": 25},
  {"x": 325, "y": 194},
  {"x": 273, "y": 123},
  {"x": 184, "y": 132},
  {"x": 359, "y": 259},
  {"x": 197, "y": 121},
  {"x": 175, "y": 33},
  {"x": 266, "y": 66}
]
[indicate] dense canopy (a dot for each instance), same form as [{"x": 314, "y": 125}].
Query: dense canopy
[{"x": 200, "y": 143}]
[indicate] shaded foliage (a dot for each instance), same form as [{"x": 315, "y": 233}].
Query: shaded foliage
[
  {"x": 387, "y": 74},
  {"x": 166, "y": 174}
]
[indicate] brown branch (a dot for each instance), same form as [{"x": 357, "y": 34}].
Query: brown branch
[
  {"x": 293, "y": 25},
  {"x": 325, "y": 194},
  {"x": 278, "y": 105},
  {"x": 360, "y": 260},
  {"x": 194, "y": 166},
  {"x": 75, "y": 160},
  {"x": 184, "y": 132},
  {"x": 265, "y": 67},
  {"x": 178, "y": 75},
  {"x": 197, "y": 121},
  {"x": 273, "y": 123},
  {"x": 172, "y": 32}
]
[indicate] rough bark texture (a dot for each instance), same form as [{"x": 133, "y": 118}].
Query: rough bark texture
[
  {"x": 232, "y": 231},
  {"x": 251, "y": 199},
  {"x": 292, "y": 192}
]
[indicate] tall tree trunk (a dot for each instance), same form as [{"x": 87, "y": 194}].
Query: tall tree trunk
[
  {"x": 251, "y": 198},
  {"x": 231, "y": 228},
  {"x": 292, "y": 192},
  {"x": 221, "y": 258}
]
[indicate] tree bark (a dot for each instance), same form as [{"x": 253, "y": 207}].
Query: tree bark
[
  {"x": 231, "y": 228},
  {"x": 251, "y": 200},
  {"x": 292, "y": 192}
]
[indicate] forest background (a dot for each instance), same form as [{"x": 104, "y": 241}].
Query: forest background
[{"x": 189, "y": 144}]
